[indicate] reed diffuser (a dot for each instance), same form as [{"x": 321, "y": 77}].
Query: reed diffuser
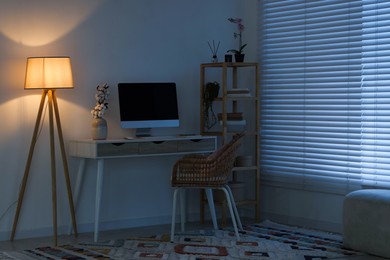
[{"x": 214, "y": 51}]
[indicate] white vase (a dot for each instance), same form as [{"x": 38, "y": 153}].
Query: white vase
[{"x": 99, "y": 129}]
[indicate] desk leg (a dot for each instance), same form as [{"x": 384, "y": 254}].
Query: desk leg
[
  {"x": 99, "y": 189},
  {"x": 79, "y": 182}
]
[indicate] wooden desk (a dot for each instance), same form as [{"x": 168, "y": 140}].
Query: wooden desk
[{"x": 99, "y": 150}]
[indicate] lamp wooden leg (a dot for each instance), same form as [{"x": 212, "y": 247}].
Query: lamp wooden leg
[
  {"x": 77, "y": 187},
  {"x": 53, "y": 106},
  {"x": 53, "y": 168},
  {"x": 65, "y": 164},
  {"x": 28, "y": 164}
]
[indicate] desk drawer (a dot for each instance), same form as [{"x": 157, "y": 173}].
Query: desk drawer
[
  {"x": 158, "y": 147},
  {"x": 117, "y": 149},
  {"x": 206, "y": 145}
]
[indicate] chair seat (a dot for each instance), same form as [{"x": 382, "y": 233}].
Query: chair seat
[{"x": 200, "y": 184}]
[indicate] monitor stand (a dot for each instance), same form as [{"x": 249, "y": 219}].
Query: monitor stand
[{"x": 143, "y": 132}]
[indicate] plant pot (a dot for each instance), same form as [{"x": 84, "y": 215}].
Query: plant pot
[
  {"x": 239, "y": 57},
  {"x": 228, "y": 58},
  {"x": 99, "y": 129},
  {"x": 212, "y": 91}
]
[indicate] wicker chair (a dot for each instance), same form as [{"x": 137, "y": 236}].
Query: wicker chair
[{"x": 207, "y": 172}]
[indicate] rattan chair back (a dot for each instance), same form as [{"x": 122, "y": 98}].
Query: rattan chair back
[{"x": 207, "y": 170}]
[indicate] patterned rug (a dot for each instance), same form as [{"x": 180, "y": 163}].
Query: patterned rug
[{"x": 267, "y": 240}]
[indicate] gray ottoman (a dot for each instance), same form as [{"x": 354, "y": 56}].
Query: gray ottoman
[{"x": 366, "y": 221}]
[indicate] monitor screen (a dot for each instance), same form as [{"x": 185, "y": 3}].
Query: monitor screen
[{"x": 148, "y": 105}]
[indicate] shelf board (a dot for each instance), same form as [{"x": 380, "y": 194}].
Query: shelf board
[
  {"x": 246, "y": 98},
  {"x": 231, "y": 98},
  {"x": 213, "y": 133},
  {"x": 229, "y": 64}
]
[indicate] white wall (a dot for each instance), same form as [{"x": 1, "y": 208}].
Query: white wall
[{"x": 109, "y": 42}]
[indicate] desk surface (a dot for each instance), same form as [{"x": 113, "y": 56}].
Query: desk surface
[{"x": 147, "y": 139}]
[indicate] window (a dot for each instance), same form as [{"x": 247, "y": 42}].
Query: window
[{"x": 325, "y": 114}]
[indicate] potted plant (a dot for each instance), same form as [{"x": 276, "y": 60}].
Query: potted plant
[
  {"x": 238, "y": 53},
  {"x": 210, "y": 93}
]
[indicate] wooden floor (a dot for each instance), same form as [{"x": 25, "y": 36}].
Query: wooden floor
[{"x": 21, "y": 244}]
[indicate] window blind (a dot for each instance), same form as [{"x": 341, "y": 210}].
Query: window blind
[{"x": 325, "y": 113}]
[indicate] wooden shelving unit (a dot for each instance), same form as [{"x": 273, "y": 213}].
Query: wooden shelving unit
[{"x": 235, "y": 77}]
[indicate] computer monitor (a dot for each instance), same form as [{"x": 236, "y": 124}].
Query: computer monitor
[{"x": 143, "y": 106}]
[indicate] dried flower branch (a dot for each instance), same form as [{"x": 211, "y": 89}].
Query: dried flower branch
[{"x": 101, "y": 97}]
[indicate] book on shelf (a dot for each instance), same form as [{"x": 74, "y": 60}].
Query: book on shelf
[
  {"x": 234, "y": 116},
  {"x": 234, "y": 122},
  {"x": 238, "y": 92}
]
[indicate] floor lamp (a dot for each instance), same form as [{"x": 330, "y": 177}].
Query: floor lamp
[{"x": 48, "y": 74}]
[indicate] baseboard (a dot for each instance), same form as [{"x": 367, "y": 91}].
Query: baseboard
[
  {"x": 303, "y": 222},
  {"x": 128, "y": 223},
  {"x": 31, "y": 233},
  {"x": 112, "y": 225},
  {"x": 87, "y": 227}
]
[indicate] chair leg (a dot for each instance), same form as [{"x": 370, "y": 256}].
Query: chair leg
[
  {"x": 174, "y": 214},
  {"x": 209, "y": 194},
  {"x": 183, "y": 209},
  {"x": 231, "y": 212},
  {"x": 234, "y": 207}
]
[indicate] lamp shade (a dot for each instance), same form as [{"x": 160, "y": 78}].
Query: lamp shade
[{"x": 48, "y": 73}]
